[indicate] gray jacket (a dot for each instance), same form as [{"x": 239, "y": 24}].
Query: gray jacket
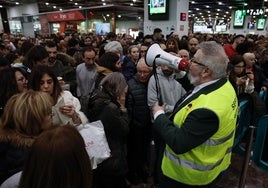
[{"x": 171, "y": 90}]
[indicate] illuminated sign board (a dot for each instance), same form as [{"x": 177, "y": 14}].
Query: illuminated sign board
[{"x": 255, "y": 12}]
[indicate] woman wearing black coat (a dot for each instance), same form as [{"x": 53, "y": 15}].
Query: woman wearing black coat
[{"x": 108, "y": 105}]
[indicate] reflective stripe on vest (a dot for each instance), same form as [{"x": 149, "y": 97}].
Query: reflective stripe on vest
[
  {"x": 192, "y": 165},
  {"x": 219, "y": 141}
]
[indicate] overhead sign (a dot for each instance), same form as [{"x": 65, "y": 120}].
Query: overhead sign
[
  {"x": 255, "y": 12},
  {"x": 65, "y": 16}
]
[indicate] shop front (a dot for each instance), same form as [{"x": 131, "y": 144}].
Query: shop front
[{"x": 67, "y": 22}]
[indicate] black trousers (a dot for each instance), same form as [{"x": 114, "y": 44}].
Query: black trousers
[{"x": 166, "y": 182}]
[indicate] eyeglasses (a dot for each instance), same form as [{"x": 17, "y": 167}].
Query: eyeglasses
[
  {"x": 144, "y": 72},
  {"x": 193, "y": 61},
  {"x": 239, "y": 67},
  {"x": 52, "y": 52}
]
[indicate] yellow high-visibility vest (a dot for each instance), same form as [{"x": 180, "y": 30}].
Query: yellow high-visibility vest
[{"x": 201, "y": 165}]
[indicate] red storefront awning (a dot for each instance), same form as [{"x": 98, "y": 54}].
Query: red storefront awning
[{"x": 66, "y": 16}]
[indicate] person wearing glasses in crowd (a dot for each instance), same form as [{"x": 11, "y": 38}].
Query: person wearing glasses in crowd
[
  {"x": 199, "y": 133},
  {"x": 243, "y": 81},
  {"x": 140, "y": 133}
]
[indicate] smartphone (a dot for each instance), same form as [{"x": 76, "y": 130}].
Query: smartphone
[{"x": 243, "y": 74}]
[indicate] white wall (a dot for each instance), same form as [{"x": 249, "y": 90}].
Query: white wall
[
  {"x": 1, "y": 25},
  {"x": 25, "y": 10},
  {"x": 176, "y": 7},
  {"x": 124, "y": 26}
]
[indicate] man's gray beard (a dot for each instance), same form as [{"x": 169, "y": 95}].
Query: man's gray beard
[{"x": 193, "y": 80}]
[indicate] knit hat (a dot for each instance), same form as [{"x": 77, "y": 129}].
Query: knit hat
[{"x": 113, "y": 46}]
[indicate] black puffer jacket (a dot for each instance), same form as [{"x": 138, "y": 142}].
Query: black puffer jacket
[
  {"x": 137, "y": 103},
  {"x": 14, "y": 149},
  {"x": 115, "y": 122}
]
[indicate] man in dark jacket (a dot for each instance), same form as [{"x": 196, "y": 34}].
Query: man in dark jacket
[{"x": 140, "y": 124}]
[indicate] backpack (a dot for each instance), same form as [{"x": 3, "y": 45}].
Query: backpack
[{"x": 95, "y": 102}]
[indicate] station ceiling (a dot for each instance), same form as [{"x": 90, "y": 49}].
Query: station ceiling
[{"x": 134, "y": 9}]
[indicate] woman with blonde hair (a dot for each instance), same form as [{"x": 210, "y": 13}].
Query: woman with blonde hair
[
  {"x": 130, "y": 61},
  {"x": 25, "y": 116}
]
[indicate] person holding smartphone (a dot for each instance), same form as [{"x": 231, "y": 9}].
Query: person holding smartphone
[{"x": 243, "y": 81}]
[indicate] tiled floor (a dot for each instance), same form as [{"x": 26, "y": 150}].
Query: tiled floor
[{"x": 255, "y": 178}]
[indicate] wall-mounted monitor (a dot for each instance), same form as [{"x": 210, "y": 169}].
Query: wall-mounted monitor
[
  {"x": 158, "y": 10},
  {"x": 261, "y": 23},
  {"x": 102, "y": 28},
  {"x": 239, "y": 18}
]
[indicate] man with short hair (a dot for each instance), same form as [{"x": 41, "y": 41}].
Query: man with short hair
[
  {"x": 66, "y": 72},
  {"x": 52, "y": 51},
  {"x": 157, "y": 35},
  {"x": 192, "y": 46},
  {"x": 230, "y": 49},
  {"x": 85, "y": 76},
  {"x": 148, "y": 39},
  {"x": 184, "y": 54},
  {"x": 199, "y": 134},
  {"x": 140, "y": 125}
]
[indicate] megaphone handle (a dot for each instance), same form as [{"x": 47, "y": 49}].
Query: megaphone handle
[
  {"x": 157, "y": 85},
  {"x": 160, "y": 100}
]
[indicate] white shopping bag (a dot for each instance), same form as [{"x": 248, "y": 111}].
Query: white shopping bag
[{"x": 96, "y": 143}]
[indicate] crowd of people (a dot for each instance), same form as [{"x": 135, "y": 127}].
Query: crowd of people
[{"x": 50, "y": 85}]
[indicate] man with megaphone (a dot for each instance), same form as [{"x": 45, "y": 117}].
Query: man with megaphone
[{"x": 200, "y": 132}]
